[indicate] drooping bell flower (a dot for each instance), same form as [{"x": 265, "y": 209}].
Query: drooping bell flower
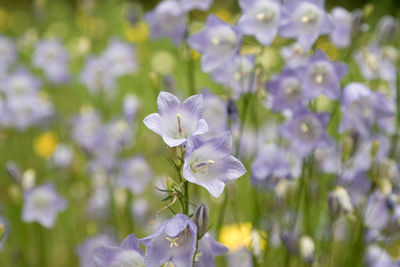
[
  {"x": 174, "y": 241},
  {"x": 128, "y": 254},
  {"x": 342, "y": 20},
  {"x": 262, "y": 18},
  {"x": 218, "y": 42},
  {"x": 210, "y": 163},
  {"x": 308, "y": 21},
  {"x": 176, "y": 121}
]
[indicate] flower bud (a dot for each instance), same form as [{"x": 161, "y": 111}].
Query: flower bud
[
  {"x": 232, "y": 110},
  {"x": 289, "y": 241},
  {"x": 339, "y": 202},
  {"x": 356, "y": 22},
  {"x": 307, "y": 249},
  {"x": 387, "y": 29},
  {"x": 14, "y": 172},
  {"x": 201, "y": 218}
]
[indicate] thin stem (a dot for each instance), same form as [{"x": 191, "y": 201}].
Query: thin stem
[
  {"x": 186, "y": 189},
  {"x": 189, "y": 62},
  {"x": 245, "y": 108},
  {"x": 221, "y": 216}
]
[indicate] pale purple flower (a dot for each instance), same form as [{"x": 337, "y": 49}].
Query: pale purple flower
[
  {"x": 342, "y": 20},
  {"x": 63, "y": 156},
  {"x": 273, "y": 163},
  {"x": 97, "y": 75},
  {"x": 262, "y": 19},
  {"x": 378, "y": 257},
  {"x": 131, "y": 106},
  {"x": 122, "y": 57},
  {"x": 167, "y": 20},
  {"x": 176, "y": 121},
  {"x": 86, "y": 127},
  {"x": 8, "y": 52},
  {"x": 208, "y": 249},
  {"x": 286, "y": 91},
  {"x": 189, "y": 5},
  {"x": 86, "y": 248},
  {"x": 238, "y": 74},
  {"x": 52, "y": 57},
  {"x": 42, "y": 204},
  {"x": 215, "y": 113},
  {"x": 308, "y": 21},
  {"x": 128, "y": 254},
  {"x": 362, "y": 108},
  {"x": 306, "y": 131},
  {"x": 387, "y": 29},
  {"x": 135, "y": 174},
  {"x": 218, "y": 43},
  {"x": 294, "y": 55},
  {"x": 20, "y": 83},
  {"x": 322, "y": 76},
  {"x": 174, "y": 240},
  {"x": 210, "y": 163}
]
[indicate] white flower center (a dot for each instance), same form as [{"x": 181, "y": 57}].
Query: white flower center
[{"x": 201, "y": 166}]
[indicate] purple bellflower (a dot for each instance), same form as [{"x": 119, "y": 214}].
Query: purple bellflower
[
  {"x": 306, "y": 131},
  {"x": 128, "y": 254},
  {"x": 340, "y": 35},
  {"x": 85, "y": 249},
  {"x": 174, "y": 241},
  {"x": 42, "y": 204},
  {"x": 176, "y": 121},
  {"x": 97, "y": 75},
  {"x": 322, "y": 76},
  {"x": 362, "y": 108},
  {"x": 121, "y": 56},
  {"x": 218, "y": 42},
  {"x": 262, "y": 19},
  {"x": 207, "y": 250},
  {"x": 307, "y": 22},
  {"x": 188, "y": 5},
  {"x": 286, "y": 91},
  {"x": 135, "y": 174},
  {"x": 167, "y": 20},
  {"x": 210, "y": 163}
]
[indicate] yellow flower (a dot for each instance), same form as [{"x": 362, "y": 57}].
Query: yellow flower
[
  {"x": 137, "y": 33},
  {"x": 45, "y": 144},
  {"x": 236, "y": 236}
]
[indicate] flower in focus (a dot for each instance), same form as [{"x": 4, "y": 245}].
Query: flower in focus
[
  {"x": 306, "y": 131},
  {"x": 129, "y": 253},
  {"x": 323, "y": 76},
  {"x": 218, "y": 42},
  {"x": 42, "y": 204},
  {"x": 45, "y": 144},
  {"x": 208, "y": 249},
  {"x": 176, "y": 121},
  {"x": 135, "y": 174},
  {"x": 174, "y": 240},
  {"x": 262, "y": 19},
  {"x": 167, "y": 20},
  {"x": 308, "y": 21},
  {"x": 85, "y": 249},
  {"x": 121, "y": 57},
  {"x": 210, "y": 163}
]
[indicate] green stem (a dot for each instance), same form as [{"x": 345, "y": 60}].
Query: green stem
[
  {"x": 186, "y": 189},
  {"x": 245, "y": 108},
  {"x": 221, "y": 216},
  {"x": 189, "y": 62},
  {"x": 395, "y": 138}
]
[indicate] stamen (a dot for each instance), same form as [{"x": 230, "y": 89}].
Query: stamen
[
  {"x": 201, "y": 166},
  {"x": 215, "y": 40},
  {"x": 304, "y": 127},
  {"x": 174, "y": 241},
  {"x": 319, "y": 78},
  {"x": 179, "y": 118},
  {"x": 305, "y": 19},
  {"x": 264, "y": 16}
]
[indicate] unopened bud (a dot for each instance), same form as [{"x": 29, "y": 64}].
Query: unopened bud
[
  {"x": 339, "y": 202},
  {"x": 28, "y": 179},
  {"x": 232, "y": 110},
  {"x": 356, "y": 22},
  {"x": 387, "y": 29},
  {"x": 14, "y": 172},
  {"x": 201, "y": 218},
  {"x": 307, "y": 249},
  {"x": 289, "y": 241}
]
